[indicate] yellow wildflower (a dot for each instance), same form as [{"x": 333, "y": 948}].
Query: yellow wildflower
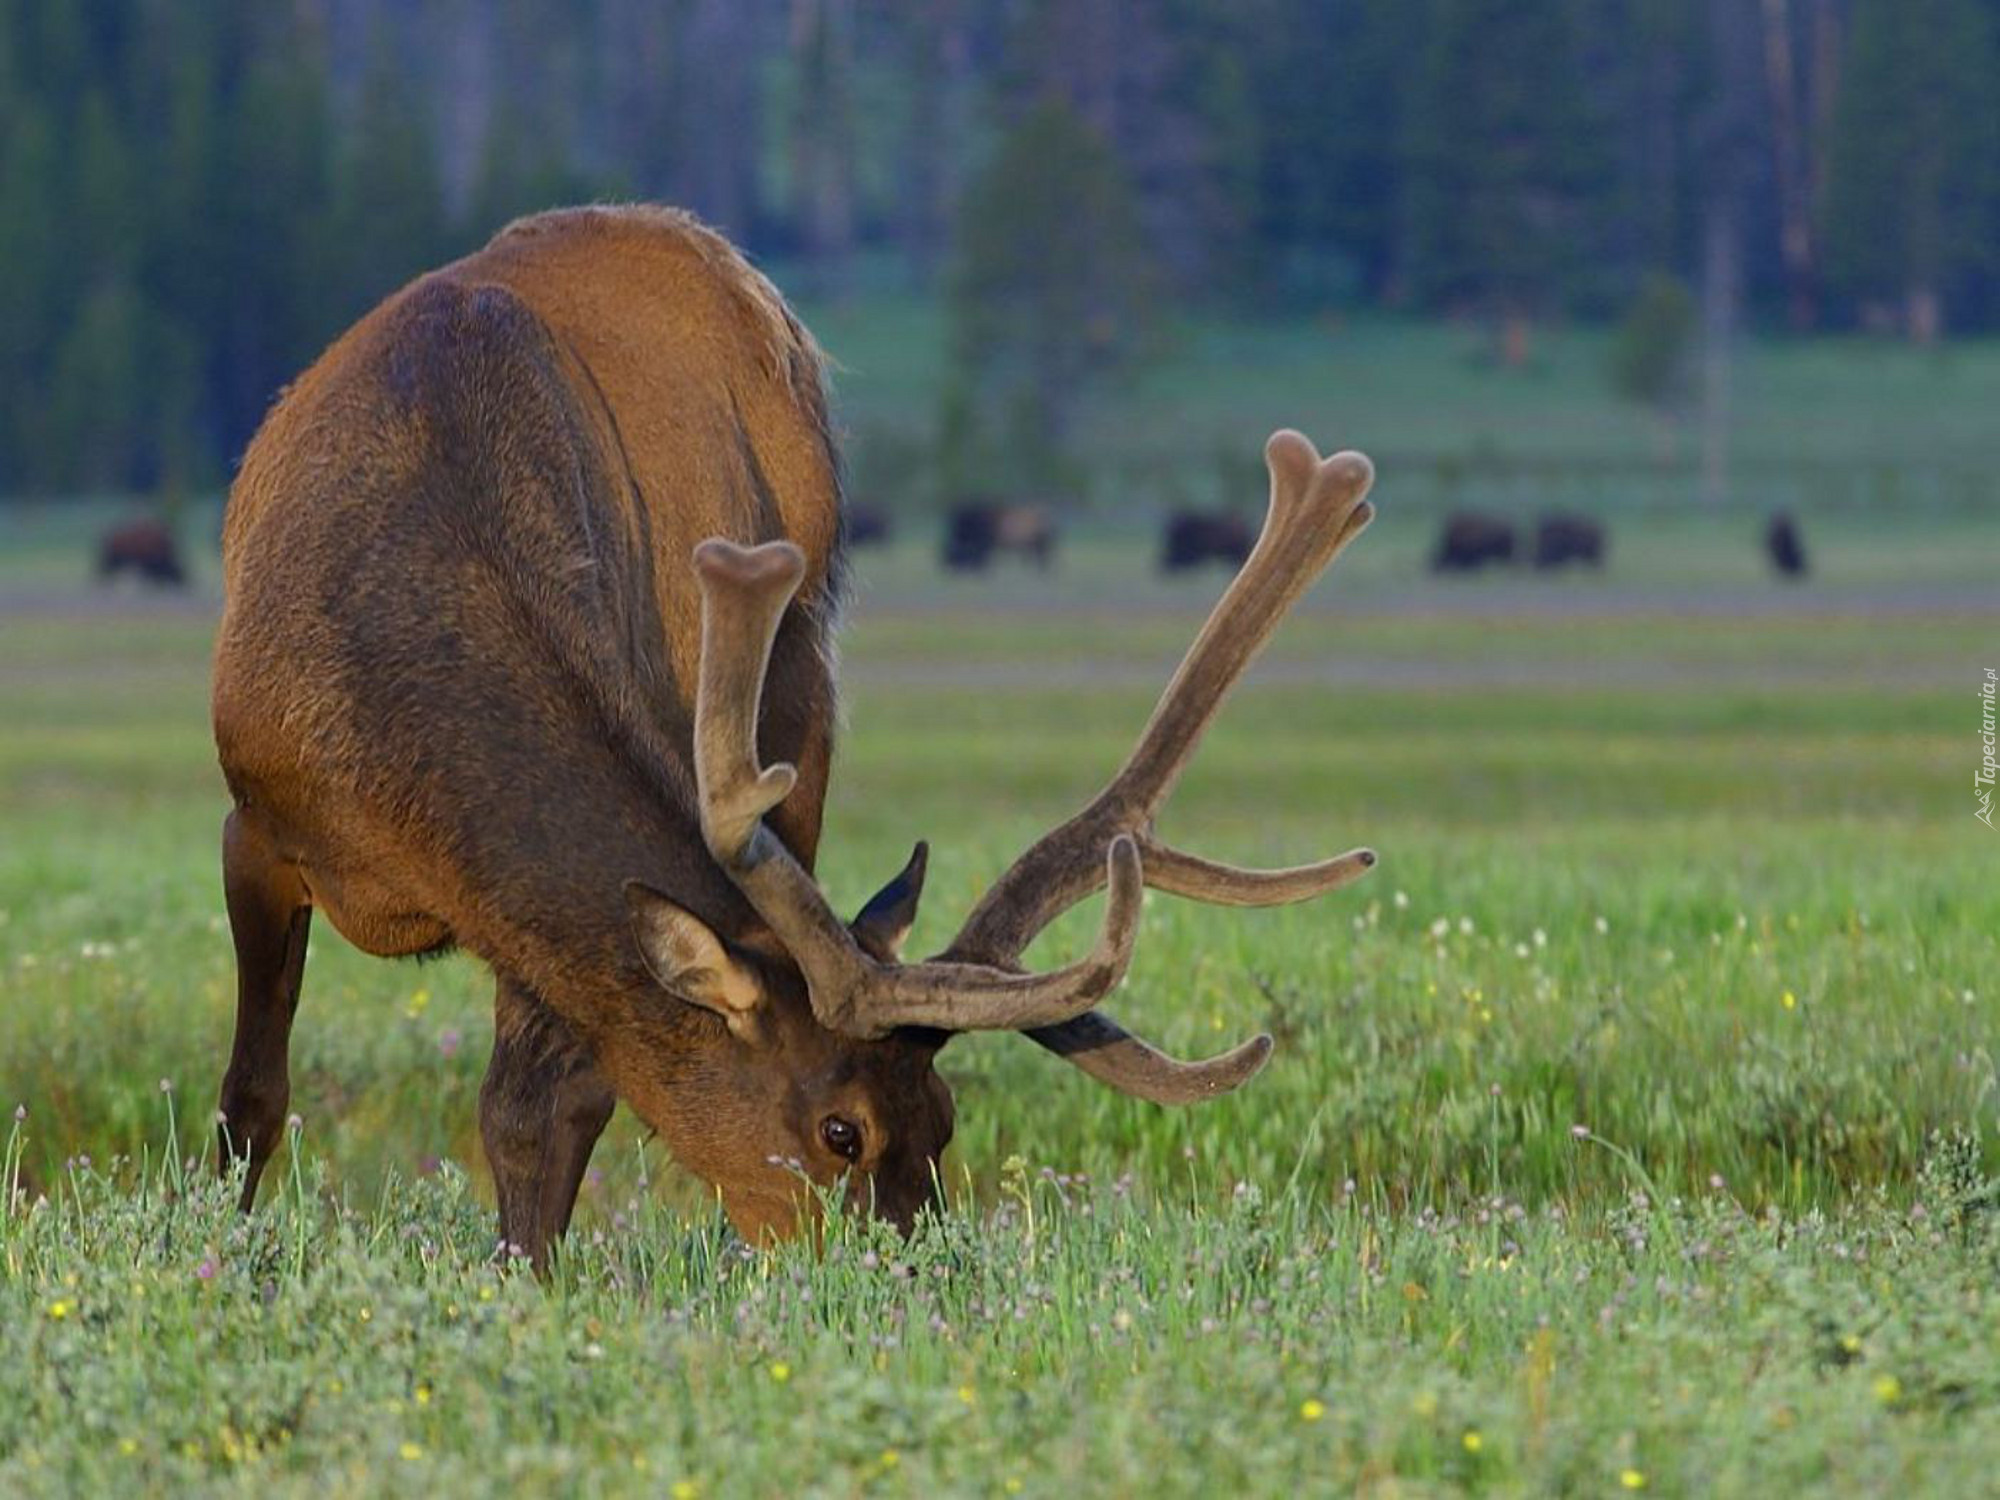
[
  {"x": 781, "y": 1372},
  {"x": 1632, "y": 1479},
  {"x": 1888, "y": 1389},
  {"x": 1472, "y": 1440},
  {"x": 411, "y": 1452},
  {"x": 61, "y": 1308},
  {"x": 685, "y": 1489},
  {"x": 1791, "y": 1001},
  {"x": 1312, "y": 1410}
]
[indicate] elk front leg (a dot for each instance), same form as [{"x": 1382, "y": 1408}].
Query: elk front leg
[
  {"x": 269, "y": 915},
  {"x": 541, "y": 1109}
]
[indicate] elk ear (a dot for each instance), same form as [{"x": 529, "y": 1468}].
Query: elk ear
[
  {"x": 887, "y": 918},
  {"x": 683, "y": 953}
]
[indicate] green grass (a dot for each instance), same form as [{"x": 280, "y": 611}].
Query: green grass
[
  {"x": 1870, "y": 418},
  {"x": 1631, "y": 1125},
  {"x": 1704, "y": 889}
]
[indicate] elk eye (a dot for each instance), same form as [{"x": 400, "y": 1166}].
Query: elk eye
[{"x": 842, "y": 1137}]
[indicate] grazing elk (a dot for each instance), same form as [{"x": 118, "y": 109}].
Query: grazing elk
[
  {"x": 978, "y": 529},
  {"x": 1194, "y": 537},
  {"x": 143, "y": 547},
  {"x": 1564, "y": 539},
  {"x": 525, "y": 650},
  {"x": 1469, "y": 541},
  {"x": 1785, "y": 546}
]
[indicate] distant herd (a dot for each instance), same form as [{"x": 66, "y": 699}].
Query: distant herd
[{"x": 986, "y": 528}]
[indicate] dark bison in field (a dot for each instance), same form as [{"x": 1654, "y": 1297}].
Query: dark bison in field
[
  {"x": 868, "y": 526},
  {"x": 977, "y": 530},
  {"x": 1194, "y": 537},
  {"x": 1786, "y": 547},
  {"x": 1469, "y": 541},
  {"x": 1561, "y": 540},
  {"x": 145, "y": 548}
]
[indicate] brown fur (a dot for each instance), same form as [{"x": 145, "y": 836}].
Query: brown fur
[{"x": 454, "y": 695}]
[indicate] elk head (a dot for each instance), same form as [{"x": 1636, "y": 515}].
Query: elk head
[{"x": 834, "y": 1033}]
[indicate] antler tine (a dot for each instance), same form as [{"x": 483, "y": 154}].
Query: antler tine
[
  {"x": 971, "y": 997},
  {"x": 744, "y": 595},
  {"x": 1317, "y": 507},
  {"x": 744, "y": 591},
  {"x": 1181, "y": 874},
  {"x": 1109, "y": 1053}
]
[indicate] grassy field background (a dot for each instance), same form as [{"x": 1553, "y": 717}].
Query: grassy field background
[{"x": 1630, "y": 1129}]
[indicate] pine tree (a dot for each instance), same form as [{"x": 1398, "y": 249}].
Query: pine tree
[
  {"x": 1913, "y": 156},
  {"x": 1050, "y": 291},
  {"x": 31, "y": 255},
  {"x": 1503, "y": 160},
  {"x": 1329, "y": 81},
  {"x": 388, "y": 203}
]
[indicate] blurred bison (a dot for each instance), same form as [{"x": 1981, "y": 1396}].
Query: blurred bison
[
  {"x": 978, "y": 529},
  {"x": 1563, "y": 539},
  {"x": 1470, "y": 541},
  {"x": 144, "y": 547},
  {"x": 867, "y": 525},
  {"x": 1786, "y": 547},
  {"x": 1194, "y": 537}
]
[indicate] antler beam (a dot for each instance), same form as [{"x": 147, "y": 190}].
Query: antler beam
[{"x": 1317, "y": 507}]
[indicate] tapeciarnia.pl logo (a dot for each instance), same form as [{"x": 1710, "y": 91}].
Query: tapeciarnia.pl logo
[{"x": 1982, "y": 779}]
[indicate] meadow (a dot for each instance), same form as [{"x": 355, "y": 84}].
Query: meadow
[{"x": 1631, "y": 1128}]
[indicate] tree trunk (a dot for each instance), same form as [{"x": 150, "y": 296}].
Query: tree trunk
[
  {"x": 1796, "y": 246},
  {"x": 1719, "y": 294},
  {"x": 941, "y": 60},
  {"x": 1923, "y": 314},
  {"x": 822, "y": 145},
  {"x": 1516, "y": 337}
]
